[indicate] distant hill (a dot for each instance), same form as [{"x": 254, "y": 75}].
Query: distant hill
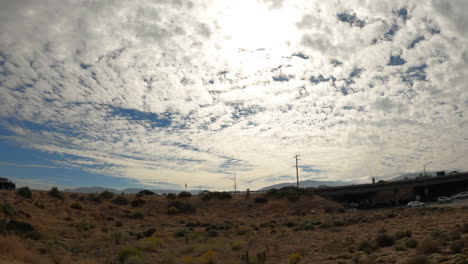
[
  {"x": 126, "y": 191},
  {"x": 305, "y": 184}
]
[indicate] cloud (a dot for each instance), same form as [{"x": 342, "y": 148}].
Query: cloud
[{"x": 172, "y": 91}]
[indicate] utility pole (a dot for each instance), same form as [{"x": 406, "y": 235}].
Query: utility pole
[
  {"x": 424, "y": 167},
  {"x": 235, "y": 183},
  {"x": 297, "y": 170},
  {"x": 426, "y": 191}
]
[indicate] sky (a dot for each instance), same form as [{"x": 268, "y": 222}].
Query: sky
[{"x": 159, "y": 94}]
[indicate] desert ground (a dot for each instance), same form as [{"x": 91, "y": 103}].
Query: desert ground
[{"x": 55, "y": 227}]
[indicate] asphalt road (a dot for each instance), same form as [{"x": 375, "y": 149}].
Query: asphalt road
[{"x": 455, "y": 203}]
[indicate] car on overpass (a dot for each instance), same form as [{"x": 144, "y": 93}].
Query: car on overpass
[
  {"x": 460, "y": 195},
  {"x": 413, "y": 204},
  {"x": 444, "y": 199}
]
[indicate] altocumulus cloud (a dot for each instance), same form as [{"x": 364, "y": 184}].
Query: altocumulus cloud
[{"x": 186, "y": 92}]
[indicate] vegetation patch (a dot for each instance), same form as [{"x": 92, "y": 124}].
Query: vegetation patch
[
  {"x": 24, "y": 192},
  {"x": 76, "y": 206},
  {"x": 130, "y": 255},
  {"x": 218, "y": 195},
  {"x": 106, "y": 195},
  {"x": 181, "y": 207},
  {"x": 54, "y": 192},
  {"x": 120, "y": 200}
]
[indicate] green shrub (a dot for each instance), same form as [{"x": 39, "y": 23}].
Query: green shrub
[
  {"x": 54, "y": 192},
  {"x": 399, "y": 247},
  {"x": 127, "y": 253},
  {"x": 258, "y": 258},
  {"x": 383, "y": 239},
  {"x": 138, "y": 215},
  {"x": 172, "y": 210},
  {"x": 25, "y": 192},
  {"x": 182, "y": 207},
  {"x": 120, "y": 200},
  {"x": 294, "y": 258},
  {"x": 290, "y": 192},
  {"x": 420, "y": 259},
  {"x": 402, "y": 234},
  {"x": 456, "y": 246},
  {"x": 171, "y": 196},
  {"x": 238, "y": 245},
  {"x": 106, "y": 195},
  {"x": 411, "y": 243},
  {"x": 218, "y": 195},
  {"x": 8, "y": 209},
  {"x": 76, "y": 206},
  {"x": 184, "y": 194},
  {"x": 241, "y": 232},
  {"x": 365, "y": 246},
  {"x": 181, "y": 233}
]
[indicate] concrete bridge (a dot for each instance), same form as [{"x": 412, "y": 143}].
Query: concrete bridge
[{"x": 428, "y": 188}]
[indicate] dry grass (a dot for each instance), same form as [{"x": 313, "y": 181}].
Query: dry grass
[{"x": 221, "y": 231}]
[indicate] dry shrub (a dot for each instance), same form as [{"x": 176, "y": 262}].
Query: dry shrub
[
  {"x": 12, "y": 250},
  {"x": 420, "y": 259},
  {"x": 429, "y": 246}
]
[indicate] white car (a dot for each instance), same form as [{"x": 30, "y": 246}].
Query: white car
[
  {"x": 444, "y": 199},
  {"x": 416, "y": 204},
  {"x": 460, "y": 195}
]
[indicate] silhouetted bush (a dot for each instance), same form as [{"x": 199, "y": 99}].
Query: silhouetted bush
[
  {"x": 171, "y": 196},
  {"x": 18, "y": 227},
  {"x": 54, "y": 192},
  {"x": 93, "y": 198},
  {"x": 120, "y": 200},
  {"x": 25, "y": 192},
  {"x": 184, "y": 194},
  {"x": 138, "y": 215},
  {"x": 106, "y": 195},
  {"x": 138, "y": 202},
  {"x": 219, "y": 195},
  {"x": 411, "y": 243},
  {"x": 260, "y": 200}
]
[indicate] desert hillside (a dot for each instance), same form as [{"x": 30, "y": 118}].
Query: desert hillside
[{"x": 55, "y": 227}]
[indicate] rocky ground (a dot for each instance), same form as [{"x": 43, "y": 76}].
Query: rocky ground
[{"x": 80, "y": 228}]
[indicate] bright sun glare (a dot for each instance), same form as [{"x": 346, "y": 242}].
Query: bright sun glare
[{"x": 255, "y": 37}]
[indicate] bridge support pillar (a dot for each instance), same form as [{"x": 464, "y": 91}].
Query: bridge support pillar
[{"x": 396, "y": 196}]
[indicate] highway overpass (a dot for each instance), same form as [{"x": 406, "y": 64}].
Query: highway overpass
[{"x": 436, "y": 186}]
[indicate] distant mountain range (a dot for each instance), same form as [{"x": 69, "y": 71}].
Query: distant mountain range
[
  {"x": 303, "y": 184},
  {"x": 126, "y": 191}
]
